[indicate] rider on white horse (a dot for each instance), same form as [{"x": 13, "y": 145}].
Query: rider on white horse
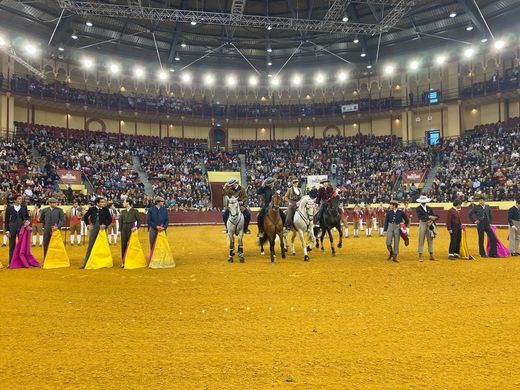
[
  {"x": 292, "y": 196},
  {"x": 232, "y": 188}
]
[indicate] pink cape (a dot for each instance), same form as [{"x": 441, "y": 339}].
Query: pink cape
[
  {"x": 22, "y": 257},
  {"x": 502, "y": 251}
]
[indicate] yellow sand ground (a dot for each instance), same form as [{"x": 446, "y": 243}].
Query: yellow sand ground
[{"x": 350, "y": 322}]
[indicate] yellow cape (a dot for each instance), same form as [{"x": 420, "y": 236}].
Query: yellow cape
[
  {"x": 464, "y": 251},
  {"x": 134, "y": 256},
  {"x": 56, "y": 256},
  {"x": 161, "y": 256},
  {"x": 100, "y": 257}
]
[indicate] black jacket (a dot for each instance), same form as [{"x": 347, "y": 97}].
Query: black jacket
[
  {"x": 13, "y": 219},
  {"x": 397, "y": 218},
  {"x": 104, "y": 216},
  {"x": 483, "y": 214},
  {"x": 424, "y": 215}
]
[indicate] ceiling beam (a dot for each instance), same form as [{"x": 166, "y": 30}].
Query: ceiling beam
[
  {"x": 474, "y": 15},
  {"x": 354, "y": 15},
  {"x": 175, "y": 39}
]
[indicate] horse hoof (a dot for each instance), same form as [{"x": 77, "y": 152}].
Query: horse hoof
[
  {"x": 333, "y": 254},
  {"x": 262, "y": 253},
  {"x": 305, "y": 258},
  {"x": 309, "y": 249},
  {"x": 293, "y": 253},
  {"x": 242, "y": 260},
  {"x": 230, "y": 260},
  {"x": 283, "y": 255},
  {"x": 340, "y": 245},
  {"x": 322, "y": 249}
]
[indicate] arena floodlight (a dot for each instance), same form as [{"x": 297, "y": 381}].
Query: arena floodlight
[
  {"x": 363, "y": 54},
  {"x": 296, "y": 80},
  {"x": 3, "y": 41},
  {"x": 209, "y": 79},
  {"x": 499, "y": 44},
  {"x": 231, "y": 81},
  {"x": 369, "y": 66},
  {"x": 61, "y": 48},
  {"x": 177, "y": 58},
  {"x": 469, "y": 52},
  {"x": 389, "y": 69},
  {"x": 74, "y": 35},
  {"x": 356, "y": 39},
  {"x": 440, "y": 60},
  {"x": 193, "y": 22},
  {"x": 342, "y": 77},
  {"x": 269, "y": 63},
  {"x": 88, "y": 63},
  {"x": 114, "y": 68},
  {"x": 345, "y": 18},
  {"x": 320, "y": 78},
  {"x": 89, "y": 23},
  {"x": 469, "y": 27},
  {"x": 172, "y": 70},
  {"x": 138, "y": 72},
  {"x": 162, "y": 75},
  {"x": 253, "y": 81},
  {"x": 275, "y": 81},
  {"x": 484, "y": 40},
  {"x": 186, "y": 78},
  {"x": 183, "y": 44},
  {"x": 30, "y": 49},
  {"x": 414, "y": 65},
  {"x": 453, "y": 14}
]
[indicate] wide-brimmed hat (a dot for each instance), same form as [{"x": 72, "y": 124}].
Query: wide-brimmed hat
[
  {"x": 322, "y": 181},
  {"x": 159, "y": 199},
  {"x": 269, "y": 181},
  {"x": 232, "y": 181},
  {"x": 294, "y": 179},
  {"x": 393, "y": 201},
  {"x": 52, "y": 200},
  {"x": 423, "y": 199}
]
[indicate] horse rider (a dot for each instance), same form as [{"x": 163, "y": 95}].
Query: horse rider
[
  {"x": 325, "y": 194},
  {"x": 232, "y": 188},
  {"x": 292, "y": 196},
  {"x": 266, "y": 191}
]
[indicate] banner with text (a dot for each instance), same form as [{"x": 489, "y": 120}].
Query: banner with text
[
  {"x": 416, "y": 176},
  {"x": 349, "y": 108},
  {"x": 68, "y": 176}
]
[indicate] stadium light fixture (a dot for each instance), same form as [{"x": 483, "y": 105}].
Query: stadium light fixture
[
  {"x": 269, "y": 49},
  {"x": 269, "y": 63},
  {"x": 177, "y": 58},
  {"x": 30, "y": 49},
  {"x": 363, "y": 54},
  {"x": 186, "y": 78},
  {"x": 253, "y": 81},
  {"x": 369, "y": 66},
  {"x": 88, "y": 63},
  {"x": 74, "y": 35},
  {"x": 231, "y": 81},
  {"x": 389, "y": 69},
  {"x": 114, "y": 68},
  {"x": 320, "y": 78},
  {"x": 440, "y": 60},
  {"x": 484, "y": 40},
  {"x": 469, "y": 27},
  {"x": 183, "y": 44},
  {"x": 356, "y": 39},
  {"x": 209, "y": 80},
  {"x": 3, "y": 41},
  {"x": 269, "y": 75},
  {"x": 162, "y": 75},
  {"x": 499, "y": 44},
  {"x": 89, "y": 23},
  {"x": 345, "y": 18},
  {"x": 172, "y": 70},
  {"x": 269, "y": 28},
  {"x": 414, "y": 65},
  {"x": 453, "y": 14},
  {"x": 61, "y": 48},
  {"x": 342, "y": 77},
  {"x": 469, "y": 52},
  {"x": 193, "y": 22},
  {"x": 139, "y": 72},
  {"x": 296, "y": 80},
  {"x": 275, "y": 81}
]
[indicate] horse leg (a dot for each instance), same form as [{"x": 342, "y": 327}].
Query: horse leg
[
  {"x": 304, "y": 245},
  {"x": 293, "y": 238},
  {"x": 282, "y": 244},
  {"x": 340, "y": 243},
  {"x": 331, "y": 238},
  {"x": 323, "y": 232},
  {"x": 231, "y": 246},
  {"x": 271, "y": 248},
  {"x": 241, "y": 246},
  {"x": 316, "y": 233}
]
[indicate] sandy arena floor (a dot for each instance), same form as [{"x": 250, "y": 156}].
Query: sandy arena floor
[{"x": 350, "y": 322}]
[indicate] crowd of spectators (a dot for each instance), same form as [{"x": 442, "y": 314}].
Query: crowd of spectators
[
  {"x": 484, "y": 161},
  {"x": 509, "y": 80}
]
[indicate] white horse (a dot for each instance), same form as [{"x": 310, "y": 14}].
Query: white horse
[
  {"x": 303, "y": 222},
  {"x": 235, "y": 227}
]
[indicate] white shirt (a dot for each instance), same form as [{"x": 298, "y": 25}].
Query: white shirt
[{"x": 17, "y": 207}]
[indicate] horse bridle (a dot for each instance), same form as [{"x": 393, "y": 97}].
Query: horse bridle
[
  {"x": 308, "y": 219},
  {"x": 233, "y": 217}
]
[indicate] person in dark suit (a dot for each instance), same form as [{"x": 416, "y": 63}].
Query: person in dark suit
[
  {"x": 454, "y": 226},
  {"x": 16, "y": 216},
  {"x": 426, "y": 219},
  {"x": 513, "y": 218},
  {"x": 130, "y": 222},
  {"x": 393, "y": 219},
  {"x": 481, "y": 215},
  {"x": 96, "y": 218},
  {"x": 52, "y": 219},
  {"x": 157, "y": 220}
]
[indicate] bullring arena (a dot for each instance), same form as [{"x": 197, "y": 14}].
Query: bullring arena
[
  {"x": 139, "y": 138},
  {"x": 353, "y": 321}
]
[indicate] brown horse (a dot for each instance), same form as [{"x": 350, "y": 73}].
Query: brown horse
[{"x": 273, "y": 226}]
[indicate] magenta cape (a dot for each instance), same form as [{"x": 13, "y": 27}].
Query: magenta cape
[
  {"x": 502, "y": 250},
  {"x": 22, "y": 257}
]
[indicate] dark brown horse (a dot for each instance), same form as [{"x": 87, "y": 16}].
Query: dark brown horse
[{"x": 273, "y": 226}]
